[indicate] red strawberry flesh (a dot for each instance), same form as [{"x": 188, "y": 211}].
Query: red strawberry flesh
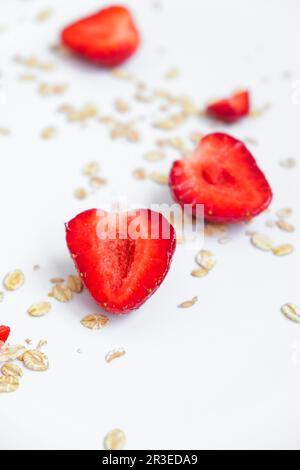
[
  {"x": 224, "y": 177},
  {"x": 4, "y": 333},
  {"x": 121, "y": 272},
  {"x": 108, "y": 37},
  {"x": 230, "y": 109}
]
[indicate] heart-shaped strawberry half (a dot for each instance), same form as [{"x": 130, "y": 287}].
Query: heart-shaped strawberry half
[
  {"x": 223, "y": 176},
  {"x": 108, "y": 37},
  {"x": 4, "y": 333},
  {"x": 122, "y": 257}
]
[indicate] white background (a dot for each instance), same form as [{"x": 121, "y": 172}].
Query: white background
[{"x": 224, "y": 374}]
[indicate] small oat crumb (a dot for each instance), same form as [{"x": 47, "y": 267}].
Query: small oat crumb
[
  {"x": 111, "y": 355},
  {"x": 97, "y": 181},
  {"x": 14, "y": 280},
  {"x": 4, "y": 131},
  {"x": 172, "y": 73},
  {"x": 41, "y": 344},
  {"x": 121, "y": 106},
  {"x": 115, "y": 440},
  {"x": 1, "y": 296},
  {"x": 139, "y": 174},
  {"x": 288, "y": 163},
  {"x": 43, "y": 15},
  {"x": 188, "y": 303},
  {"x": 49, "y": 133},
  {"x": 283, "y": 250},
  {"x": 91, "y": 169},
  {"x": 284, "y": 213},
  {"x": 159, "y": 178},
  {"x": 154, "y": 156},
  {"x": 80, "y": 193}
]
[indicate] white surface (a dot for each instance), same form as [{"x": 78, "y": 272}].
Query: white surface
[{"x": 224, "y": 374}]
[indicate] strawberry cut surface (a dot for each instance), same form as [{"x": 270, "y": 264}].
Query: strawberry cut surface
[
  {"x": 4, "y": 333},
  {"x": 230, "y": 109},
  {"x": 122, "y": 259},
  {"x": 223, "y": 176},
  {"x": 107, "y": 38}
]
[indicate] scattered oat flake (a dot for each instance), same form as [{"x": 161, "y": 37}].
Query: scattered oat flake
[
  {"x": 74, "y": 283},
  {"x": 27, "y": 77},
  {"x": 4, "y": 131},
  {"x": 97, "y": 181},
  {"x": 121, "y": 74},
  {"x": 115, "y": 440},
  {"x": 283, "y": 250},
  {"x": 206, "y": 259},
  {"x": 43, "y": 15},
  {"x": 39, "y": 309},
  {"x": 115, "y": 354},
  {"x": 154, "y": 156},
  {"x": 200, "y": 272},
  {"x": 35, "y": 360},
  {"x": 284, "y": 213},
  {"x": 121, "y": 106},
  {"x": 46, "y": 89},
  {"x": 10, "y": 353},
  {"x": 8, "y": 384},
  {"x": 139, "y": 174},
  {"x": 57, "y": 280},
  {"x": 95, "y": 321},
  {"x": 49, "y": 133},
  {"x": 61, "y": 292},
  {"x": 288, "y": 163},
  {"x": 28, "y": 341},
  {"x": 211, "y": 229},
  {"x": 1, "y": 296},
  {"x": 91, "y": 169},
  {"x": 80, "y": 193},
  {"x": 41, "y": 344},
  {"x": 14, "y": 280},
  {"x": 263, "y": 242},
  {"x": 159, "y": 178},
  {"x": 172, "y": 73},
  {"x": 291, "y": 311},
  {"x": 285, "y": 226},
  {"x": 11, "y": 370},
  {"x": 188, "y": 303}
]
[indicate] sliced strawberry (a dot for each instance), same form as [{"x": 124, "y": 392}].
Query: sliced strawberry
[
  {"x": 224, "y": 177},
  {"x": 231, "y": 109},
  {"x": 122, "y": 258},
  {"x": 108, "y": 37},
  {"x": 4, "y": 333}
]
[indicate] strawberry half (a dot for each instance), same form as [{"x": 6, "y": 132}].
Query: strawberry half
[
  {"x": 108, "y": 37},
  {"x": 4, "y": 333},
  {"x": 224, "y": 177},
  {"x": 122, "y": 257},
  {"x": 230, "y": 109}
]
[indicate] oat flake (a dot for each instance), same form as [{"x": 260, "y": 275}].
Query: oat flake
[
  {"x": 35, "y": 360},
  {"x": 159, "y": 178},
  {"x": 11, "y": 370},
  {"x": 283, "y": 250},
  {"x": 285, "y": 226},
  {"x": 111, "y": 355},
  {"x": 80, "y": 193},
  {"x": 10, "y": 353},
  {"x": 263, "y": 242},
  {"x": 188, "y": 303},
  {"x": 74, "y": 283},
  {"x": 39, "y": 309},
  {"x": 154, "y": 156},
  {"x": 291, "y": 311},
  {"x": 91, "y": 169},
  {"x": 115, "y": 440},
  {"x": 8, "y": 384},
  {"x": 200, "y": 272},
  {"x": 61, "y": 293},
  {"x": 95, "y": 321},
  {"x": 206, "y": 259},
  {"x": 14, "y": 280}
]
